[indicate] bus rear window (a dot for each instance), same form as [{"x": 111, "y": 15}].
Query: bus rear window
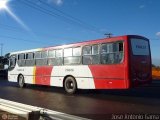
[{"x": 139, "y": 46}]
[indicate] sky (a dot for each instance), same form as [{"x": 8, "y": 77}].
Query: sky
[{"x": 28, "y": 24}]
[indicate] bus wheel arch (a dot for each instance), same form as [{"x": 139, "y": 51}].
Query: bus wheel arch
[
  {"x": 21, "y": 81},
  {"x": 70, "y": 84}
]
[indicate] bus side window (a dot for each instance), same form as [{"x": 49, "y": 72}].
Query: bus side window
[
  {"x": 44, "y": 54},
  {"x": 76, "y": 55},
  {"x": 91, "y": 54},
  {"x": 21, "y": 59},
  {"x": 51, "y": 57},
  {"x": 121, "y": 51},
  {"x": 72, "y": 56},
  {"x": 37, "y": 58},
  {"x": 112, "y": 53},
  {"x": 37, "y": 55},
  {"x": 120, "y": 46},
  {"x": 104, "y": 54},
  {"x": 30, "y": 59},
  {"x": 51, "y": 53},
  {"x": 59, "y": 57},
  {"x": 41, "y": 58},
  {"x": 77, "y": 51},
  {"x": 44, "y": 58},
  {"x": 68, "y": 53},
  {"x": 87, "y": 55},
  {"x": 95, "y": 54}
]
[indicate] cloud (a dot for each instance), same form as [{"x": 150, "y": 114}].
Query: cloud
[
  {"x": 158, "y": 34},
  {"x": 142, "y": 6},
  {"x": 56, "y": 2}
]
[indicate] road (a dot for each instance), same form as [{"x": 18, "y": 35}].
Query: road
[{"x": 94, "y": 104}]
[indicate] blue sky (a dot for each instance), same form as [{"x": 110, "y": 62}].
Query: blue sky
[{"x": 56, "y": 22}]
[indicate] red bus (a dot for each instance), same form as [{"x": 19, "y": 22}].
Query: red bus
[{"x": 111, "y": 63}]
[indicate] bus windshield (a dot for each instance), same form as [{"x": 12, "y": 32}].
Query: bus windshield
[{"x": 140, "y": 46}]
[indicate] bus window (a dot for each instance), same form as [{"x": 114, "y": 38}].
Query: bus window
[
  {"x": 37, "y": 55},
  {"x": 21, "y": 59},
  {"x": 77, "y": 51},
  {"x": 44, "y": 54},
  {"x": 59, "y": 57},
  {"x": 74, "y": 58},
  {"x": 21, "y": 56},
  {"x": 95, "y": 54},
  {"x": 39, "y": 61},
  {"x": 59, "y": 53},
  {"x": 67, "y": 52},
  {"x": 112, "y": 53},
  {"x": 51, "y": 57},
  {"x": 51, "y": 54},
  {"x": 29, "y": 56},
  {"x": 91, "y": 55},
  {"x": 121, "y": 53},
  {"x": 30, "y": 59},
  {"x": 95, "y": 50},
  {"x": 87, "y": 50},
  {"x": 120, "y": 47},
  {"x": 12, "y": 62},
  {"x": 87, "y": 55},
  {"x": 140, "y": 47}
]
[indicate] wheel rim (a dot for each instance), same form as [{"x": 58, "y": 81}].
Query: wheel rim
[
  {"x": 70, "y": 85},
  {"x": 21, "y": 82}
]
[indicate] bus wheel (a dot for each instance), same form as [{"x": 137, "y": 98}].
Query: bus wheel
[
  {"x": 70, "y": 85},
  {"x": 21, "y": 81}
]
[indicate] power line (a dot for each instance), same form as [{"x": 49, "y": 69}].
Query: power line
[
  {"x": 55, "y": 15},
  {"x": 31, "y": 41},
  {"x": 17, "y": 29},
  {"x": 21, "y": 39},
  {"x": 45, "y": 11},
  {"x": 70, "y": 17},
  {"x": 11, "y": 27}
]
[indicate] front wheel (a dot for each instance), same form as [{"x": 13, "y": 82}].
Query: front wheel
[
  {"x": 21, "y": 81},
  {"x": 70, "y": 85}
]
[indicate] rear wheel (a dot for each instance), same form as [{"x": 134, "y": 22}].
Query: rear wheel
[
  {"x": 21, "y": 81},
  {"x": 70, "y": 85}
]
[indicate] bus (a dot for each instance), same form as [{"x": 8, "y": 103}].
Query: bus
[{"x": 120, "y": 62}]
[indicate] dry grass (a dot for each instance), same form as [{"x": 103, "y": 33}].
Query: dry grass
[{"x": 156, "y": 73}]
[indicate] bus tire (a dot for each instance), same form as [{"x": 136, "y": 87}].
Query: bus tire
[
  {"x": 70, "y": 85},
  {"x": 21, "y": 81}
]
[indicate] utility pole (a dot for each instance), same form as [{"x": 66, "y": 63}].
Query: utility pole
[
  {"x": 108, "y": 35},
  {"x": 1, "y": 48}
]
